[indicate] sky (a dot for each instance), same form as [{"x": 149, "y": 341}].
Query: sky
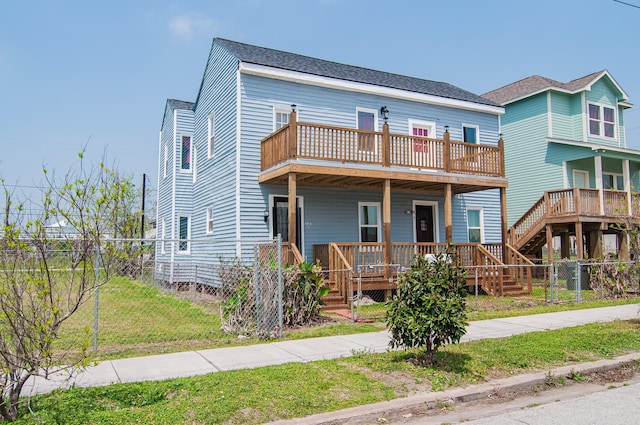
[{"x": 96, "y": 75}]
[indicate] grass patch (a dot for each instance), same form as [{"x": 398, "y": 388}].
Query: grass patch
[
  {"x": 136, "y": 319},
  {"x": 294, "y": 390}
]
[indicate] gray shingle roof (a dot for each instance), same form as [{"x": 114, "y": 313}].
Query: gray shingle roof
[
  {"x": 537, "y": 83},
  {"x": 179, "y": 104},
  {"x": 308, "y": 65}
]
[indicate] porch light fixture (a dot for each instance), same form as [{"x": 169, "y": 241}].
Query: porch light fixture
[
  {"x": 384, "y": 111},
  {"x": 408, "y": 212},
  {"x": 446, "y": 128},
  {"x": 266, "y": 215},
  {"x": 293, "y": 107}
]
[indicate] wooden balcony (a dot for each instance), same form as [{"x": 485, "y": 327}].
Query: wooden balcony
[{"x": 337, "y": 156}]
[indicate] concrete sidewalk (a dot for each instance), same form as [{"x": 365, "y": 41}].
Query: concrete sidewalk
[{"x": 192, "y": 363}]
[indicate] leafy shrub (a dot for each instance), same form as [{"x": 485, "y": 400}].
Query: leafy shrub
[
  {"x": 428, "y": 310},
  {"x": 244, "y": 308},
  {"x": 615, "y": 279}
]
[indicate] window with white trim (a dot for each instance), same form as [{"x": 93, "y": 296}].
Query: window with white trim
[
  {"x": 470, "y": 133},
  {"x": 280, "y": 118},
  {"x": 369, "y": 221},
  {"x": 184, "y": 233},
  {"x": 474, "y": 225},
  {"x": 166, "y": 160},
  {"x": 211, "y": 130},
  {"x": 581, "y": 179},
  {"x": 185, "y": 149},
  {"x": 209, "y": 220},
  {"x": 602, "y": 121},
  {"x": 612, "y": 181}
]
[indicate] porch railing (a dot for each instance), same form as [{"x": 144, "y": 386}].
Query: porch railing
[
  {"x": 347, "y": 145},
  {"x": 344, "y": 258}
]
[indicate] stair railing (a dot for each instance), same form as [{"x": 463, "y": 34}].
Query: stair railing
[
  {"x": 340, "y": 271},
  {"x": 490, "y": 271}
]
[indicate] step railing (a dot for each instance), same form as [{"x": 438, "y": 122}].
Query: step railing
[
  {"x": 340, "y": 271},
  {"x": 490, "y": 272}
]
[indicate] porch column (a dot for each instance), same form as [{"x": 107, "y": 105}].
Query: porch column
[
  {"x": 579, "y": 241},
  {"x": 599, "y": 185},
  {"x": 386, "y": 220},
  {"x": 565, "y": 245},
  {"x": 626, "y": 176},
  {"x": 595, "y": 244},
  {"x": 293, "y": 210},
  {"x": 549, "y": 232},
  {"x": 293, "y": 134},
  {"x": 623, "y": 247},
  {"x": 448, "y": 210},
  {"x": 503, "y": 219}
]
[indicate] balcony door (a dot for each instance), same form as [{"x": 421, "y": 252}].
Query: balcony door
[
  {"x": 423, "y": 157},
  {"x": 367, "y": 146},
  {"x": 280, "y": 219}
]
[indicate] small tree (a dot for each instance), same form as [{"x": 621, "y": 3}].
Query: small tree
[
  {"x": 428, "y": 310},
  {"x": 42, "y": 286}
]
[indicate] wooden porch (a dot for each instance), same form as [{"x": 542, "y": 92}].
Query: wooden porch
[
  {"x": 353, "y": 266},
  {"x": 585, "y": 213}
]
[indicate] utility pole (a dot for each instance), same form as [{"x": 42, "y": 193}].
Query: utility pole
[{"x": 144, "y": 189}]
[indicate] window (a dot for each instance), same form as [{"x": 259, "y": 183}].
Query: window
[
  {"x": 185, "y": 143},
  {"x": 366, "y": 121},
  {"x": 602, "y": 121},
  {"x": 280, "y": 118},
  {"x": 209, "y": 220},
  {"x": 474, "y": 225},
  {"x": 184, "y": 229},
  {"x": 211, "y": 134},
  {"x": 162, "y": 236},
  {"x": 166, "y": 159},
  {"x": 469, "y": 133},
  {"x": 369, "y": 219},
  {"x": 612, "y": 181}
]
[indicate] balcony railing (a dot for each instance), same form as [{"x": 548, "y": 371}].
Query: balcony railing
[{"x": 299, "y": 140}]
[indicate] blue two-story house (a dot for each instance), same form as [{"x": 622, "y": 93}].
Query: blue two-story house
[
  {"x": 571, "y": 175},
  {"x": 379, "y": 166}
]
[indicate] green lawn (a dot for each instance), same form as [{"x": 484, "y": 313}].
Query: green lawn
[
  {"x": 294, "y": 390},
  {"x": 136, "y": 319}
]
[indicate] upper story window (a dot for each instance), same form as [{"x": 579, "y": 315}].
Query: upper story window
[
  {"x": 280, "y": 118},
  {"x": 612, "y": 181},
  {"x": 470, "y": 133},
  {"x": 166, "y": 159},
  {"x": 602, "y": 121},
  {"x": 185, "y": 161},
  {"x": 211, "y": 130}
]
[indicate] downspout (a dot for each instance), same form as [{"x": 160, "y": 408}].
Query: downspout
[
  {"x": 238, "y": 161},
  {"x": 173, "y": 191}
]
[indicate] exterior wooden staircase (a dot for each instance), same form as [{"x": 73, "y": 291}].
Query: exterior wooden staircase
[{"x": 567, "y": 210}]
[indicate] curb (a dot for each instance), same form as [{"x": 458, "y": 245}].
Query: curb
[{"x": 400, "y": 406}]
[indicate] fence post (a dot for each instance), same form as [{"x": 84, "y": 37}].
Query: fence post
[
  {"x": 552, "y": 279},
  {"x": 578, "y": 281},
  {"x": 476, "y": 289},
  {"x": 96, "y": 288},
  {"x": 280, "y": 288}
]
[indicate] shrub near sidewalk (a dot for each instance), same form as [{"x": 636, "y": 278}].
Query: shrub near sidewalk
[
  {"x": 428, "y": 310},
  {"x": 250, "y": 307}
]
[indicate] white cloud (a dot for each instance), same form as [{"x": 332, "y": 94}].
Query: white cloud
[{"x": 186, "y": 26}]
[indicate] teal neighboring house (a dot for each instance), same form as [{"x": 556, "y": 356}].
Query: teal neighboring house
[{"x": 571, "y": 175}]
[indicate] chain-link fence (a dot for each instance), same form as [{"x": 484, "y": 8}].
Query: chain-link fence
[
  {"x": 174, "y": 295},
  {"x": 523, "y": 286}
]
